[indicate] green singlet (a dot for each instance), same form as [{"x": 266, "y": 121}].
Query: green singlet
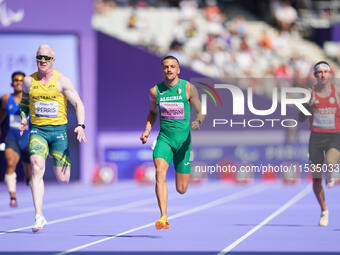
[{"x": 174, "y": 141}]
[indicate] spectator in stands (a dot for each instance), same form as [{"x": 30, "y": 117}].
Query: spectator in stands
[
  {"x": 132, "y": 22},
  {"x": 221, "y": 48},
  {"x": 302, "y": 69},
  {"x": 189, "y": 9},
  {"x": 244, "y": 58},
  {"x": 176, "y": 50},
  {"x": 283, "y": 71},
  {"x": 141, "y": 4},
  {"x": 212, "y": 11},
  {"x": 285, "y": 16},
  {"x": 266, "y": 41},
  {"x": 237, "y": 26},
  {"x": 103, "y": 6},
  {"x": 280, "y": 43}
]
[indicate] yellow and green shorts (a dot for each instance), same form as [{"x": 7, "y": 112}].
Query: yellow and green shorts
[{"x": 50, "y": 140}]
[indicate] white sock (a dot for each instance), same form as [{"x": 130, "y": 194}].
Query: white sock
[
  {"x": 324, "y": 212},
  {"x": 11, "y": 180}
]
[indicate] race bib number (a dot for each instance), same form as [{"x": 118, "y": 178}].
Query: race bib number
[
  {"x": 46, "y": 109},
  {"x": 172, "y": 111},
  {"x": 14, "y": 121},
  {"x": 326, "y": 121}
]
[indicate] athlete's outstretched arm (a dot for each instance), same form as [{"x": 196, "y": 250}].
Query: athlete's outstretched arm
[
  {"x": 196, "y": 103},
  {"x": 24, "y": 104},
  {"x": 152, "y": 116},
  {"x": 69, "y": 91}
]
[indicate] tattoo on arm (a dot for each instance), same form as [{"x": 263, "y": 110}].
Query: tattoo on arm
[{"x": 24, "y": 105}]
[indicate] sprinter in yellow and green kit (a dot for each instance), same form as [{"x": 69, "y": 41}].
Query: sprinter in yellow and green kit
[
  {"x": 44, "y": 97},
  {"x": 172, "y": 99}
]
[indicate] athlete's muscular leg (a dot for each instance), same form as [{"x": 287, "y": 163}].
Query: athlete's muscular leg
[
  {"x": 182, "y": 165},
  {"x": 62, "y": 173},
  {"x": 332, "y": 160},
  {"x": 60, "y": 155},
  {"x": 161, "y": 188},
  {"x": 28, "y": 170},
  {"x": 37, "y": 183},
  {"x": 332, "y": 156},
  {"x": 182, "y": 181},
  {"x": 319, "y": 193},
  {"x": 12, "y": 158}
]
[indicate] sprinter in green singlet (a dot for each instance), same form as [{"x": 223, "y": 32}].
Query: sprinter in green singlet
[{"x": 172, "y": 99}]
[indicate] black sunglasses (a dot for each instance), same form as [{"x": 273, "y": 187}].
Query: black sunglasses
[{"x": 45, "y": 58}]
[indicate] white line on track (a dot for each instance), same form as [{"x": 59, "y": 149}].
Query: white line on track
[
  {"x": 53, "y": 191},
  {"x": 97, "y": 212},
  {"x": 121, "y": 193},
  {"x": 238, "y": 195},
  {"x": 113, "y": 208},
  {"x": 291, "y": 202}
]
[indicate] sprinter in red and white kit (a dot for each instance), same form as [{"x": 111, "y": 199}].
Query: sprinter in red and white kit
[{"x": 324, "y": 142}]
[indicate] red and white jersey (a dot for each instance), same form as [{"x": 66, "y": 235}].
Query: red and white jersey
[{"x": 325, "y": 114}]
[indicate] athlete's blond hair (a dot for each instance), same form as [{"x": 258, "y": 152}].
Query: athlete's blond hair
[{"x": 46, "y": 46}]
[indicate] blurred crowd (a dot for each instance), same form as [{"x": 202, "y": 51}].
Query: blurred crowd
[
  {"x": 227, "y": 49},
  {"x": 102, "y": 6}
]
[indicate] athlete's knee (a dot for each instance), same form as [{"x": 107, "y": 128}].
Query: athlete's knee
[
  {"x": 11, "y": 165},
  {"x": 160, "y": 175},
  {"x": 181, "y": 188},
  {"x": 317, "y": 182},
  {"x": 63, "y": 174},
  {"x": 331, "y": 162},
  {"x": 38, "y": 167},
  {"x": 64, "y": 179}
]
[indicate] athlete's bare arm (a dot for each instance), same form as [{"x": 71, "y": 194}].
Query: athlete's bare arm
[
  {"x": 65, "y": 86},
  {"x": 195, "y": 101},
  {"x": 337, "y": 93},
  {"x": 3, "y": 103},
  {"x": 26, "y": 85},
  {"x": 24, "y": 105},
  {"x": 152, "y": 116}
]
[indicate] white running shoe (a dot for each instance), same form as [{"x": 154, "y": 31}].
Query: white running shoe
[
  {"x": 40, "y": 222},
  {"x": 323, "y": 222}
]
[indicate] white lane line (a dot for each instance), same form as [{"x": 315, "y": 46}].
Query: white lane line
[
  {"x": 53, "y": 192},
  {"x": 114, "y": 208},
  {"x": 291, "y": 202},
  {"x": 88, "y": 199},
  {"x": 84, "y": 215},
  {"x": 220, "y": 201}
]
